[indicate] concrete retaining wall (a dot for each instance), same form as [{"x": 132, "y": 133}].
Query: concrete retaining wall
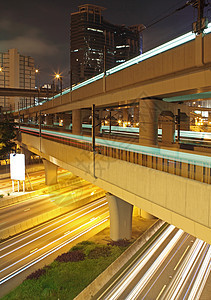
[{"x": 90, "y": 291}]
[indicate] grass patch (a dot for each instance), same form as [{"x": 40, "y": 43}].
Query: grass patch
[{"x": 65, "y": 278}]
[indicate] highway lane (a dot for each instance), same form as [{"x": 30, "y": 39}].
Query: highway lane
[
  {"x": 173, "y": 267},
  {"x": 61, "y": 198},
  {"x": 19, "y": 255}
]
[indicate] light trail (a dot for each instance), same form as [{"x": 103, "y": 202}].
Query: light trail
[
  {"x": 48, "y": 226},
  {"x": 192, "y": 270},
  {"x": 116, "y": 291},
  {"x": 198, "y": 268},
  {"x": 201, "y": 277},
  {"x": 35, "y": 251},
  {"x": 41, "y": 257},
  {"x": 136, "y": 291},
  {"x": 175, "y": 287},
  {"x": 164, "y": 268}
]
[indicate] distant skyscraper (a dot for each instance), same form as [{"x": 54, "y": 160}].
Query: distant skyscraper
[
  {"x": 97, "y": 45},
  {"x": 16, "y": 71}
]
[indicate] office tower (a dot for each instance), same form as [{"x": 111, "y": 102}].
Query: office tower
[
  {"x": 16, "y": 71},
  {"x": 97, "y": 45}
]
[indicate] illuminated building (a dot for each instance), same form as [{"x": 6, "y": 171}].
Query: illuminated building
[
  {"x": 16, "y": 71},
  {"x": 97, "y": 45}
]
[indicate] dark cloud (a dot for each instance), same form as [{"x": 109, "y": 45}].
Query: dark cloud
[{"x": 30, "y": 43}]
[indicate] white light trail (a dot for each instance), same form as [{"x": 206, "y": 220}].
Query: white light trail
[
  {"x": 41, "y": 257},
  {"x": 182, "y": 275},
  {"x": 201, "y": 278},
  {"x": 136, "y": 291},
  {"x": 27, "y": 236},
  {"x": 131, "y": 274}
]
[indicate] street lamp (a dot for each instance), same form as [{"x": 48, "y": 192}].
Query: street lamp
[
  {"x": 2, "y": 71},
  {"x": 36, "y": 71},
  {"x": 59, "y": 78},
  {"x": 36, "y": 77}
]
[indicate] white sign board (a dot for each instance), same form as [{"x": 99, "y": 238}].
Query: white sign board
[
  {"x": 17, "y": 166},
  {"x": 205, "y": 114}
]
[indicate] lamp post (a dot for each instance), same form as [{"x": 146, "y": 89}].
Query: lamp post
[
  {"x": 2, "y": 71},
  {"x": 36, "y": 71},
  {"x": 59, "y": 78},
  {"x": 36, "y": 77}
]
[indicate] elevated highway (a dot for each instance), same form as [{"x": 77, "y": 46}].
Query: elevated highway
[
  {"x": 42, "y": 93},
  {"x": 171, "y": 185},
  {"x": 178, "y": 68}
]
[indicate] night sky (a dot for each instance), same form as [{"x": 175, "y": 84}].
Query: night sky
[{"x": 41, "y": 28}]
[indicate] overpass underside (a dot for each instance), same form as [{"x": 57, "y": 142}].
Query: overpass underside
[{"x": 181, "y": 201}]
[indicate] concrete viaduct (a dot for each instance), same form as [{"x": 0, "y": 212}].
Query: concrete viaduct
[{"x": 184, "y": 201}]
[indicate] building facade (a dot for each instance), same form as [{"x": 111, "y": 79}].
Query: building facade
[
  {"x": 16, "y": 71},
  {"x": 97, "y": 45}
]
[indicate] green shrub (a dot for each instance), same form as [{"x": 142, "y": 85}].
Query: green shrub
[
  {"x": 38, "y": 273},
  {"x": 83, "y": 246},
  {"x": 1, "y": 195},
  {"x": 72, "y": 256},
  {"x": 120, "y": 243},
  {"x": 98, "y": 252}
]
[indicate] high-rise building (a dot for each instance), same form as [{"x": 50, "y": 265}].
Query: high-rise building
[
  {"x": 97, "y": 45},
  {"x": 16, "y": 71}
]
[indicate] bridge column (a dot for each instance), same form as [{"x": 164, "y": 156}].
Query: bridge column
[
  {"x": 49, "y": 119},
  {"x": 184, "y": 121},
  {"x": 125, "y": 114},
  {"x": 148, "y": 122},
  {"x": 168, "y": 129},
  {"x": 66, "y": 121},
  {"x": 120, "y": 218},
  {"x": 136, "y": 114},
  {"x": 76, "y": 122},
  {"x": 50, "y": 172}
]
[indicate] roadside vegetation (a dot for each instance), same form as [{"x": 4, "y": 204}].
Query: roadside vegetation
[
  {"x": 70, "y": 272},
  {"x": 7, "y": 134}
]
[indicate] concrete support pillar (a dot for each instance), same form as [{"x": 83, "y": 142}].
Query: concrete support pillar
[
  {"x": 76, "y": 122},
  {"x": 97, "y": 124},
  {"x": 50, "y": 172},
  {"x": 49, "y": 119},
  {"x": 168, "y": 130},
  {"x": 125, "y": 114},
  {"x": 146, "y": 215},
  {"x": 66, "y": 121},
  {"x": 120, "y": 218},
  {"x": 148, "y": 122},
  {"x": 56, "y": 119},
  {"x": 136, "y": 114},
  {"x": 184, "y": 121}
]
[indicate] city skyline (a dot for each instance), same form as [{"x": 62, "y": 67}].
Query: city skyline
[{"x": 43, "y": 31}]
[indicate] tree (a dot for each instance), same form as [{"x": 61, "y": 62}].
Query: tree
[{"x": 7, "y": 134}]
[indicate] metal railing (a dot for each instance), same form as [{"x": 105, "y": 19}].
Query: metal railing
[{"x": 199, "y": 170}]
